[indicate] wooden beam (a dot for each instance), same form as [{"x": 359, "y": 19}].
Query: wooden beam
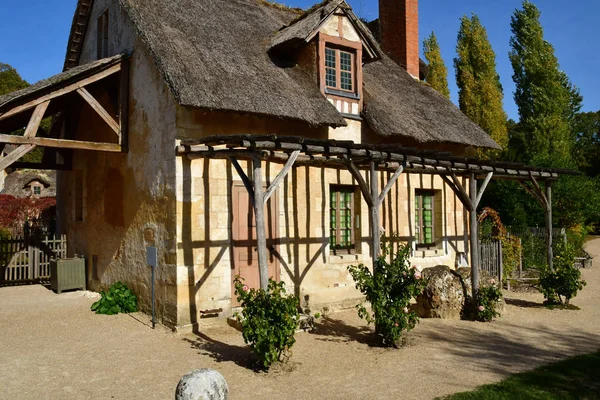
[
  {"x": 282, "y": 174},
  {"x": 101, "y": 111},
  {"x": 374, "y": 214},
  {"x": 482, "y": 188},
  {"x": 259, "y": 215},
  {"x": 474, "y": 232},
  {"x": 61, "y": 143},
  {"x": 247, "y": 182},
  {"x": 361, "y": 182},
  {"x": 466, "y": 202},
  {"x": 36, "y": 119},
  {"x": 124, "y": 103},
  {"x": 15, "y": 155},
  {"x": 60, "y": 92},
  {"x": 390, "y": 183}
]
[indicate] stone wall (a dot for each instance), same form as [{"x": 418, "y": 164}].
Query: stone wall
[{"x": 128, "y": 198}]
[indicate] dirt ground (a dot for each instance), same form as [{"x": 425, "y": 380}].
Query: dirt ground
[{"x": 53, "y": 347}]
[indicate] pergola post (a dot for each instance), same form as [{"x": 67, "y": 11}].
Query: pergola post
[
  {"x": 374, "y": 215},
  {"x": 470, "y": 202},
  {"x": 474, "y": 231},
  {"x": 374, "y": 199},
  {"x": 548, "y": 213},
  {"x": 258, "y": 198}
]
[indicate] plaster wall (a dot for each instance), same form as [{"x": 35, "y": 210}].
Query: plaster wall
[{"x": 128, "y": 198}]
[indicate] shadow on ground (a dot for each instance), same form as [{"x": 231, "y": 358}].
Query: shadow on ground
[
  {"x": 223, "y": 352},
  {"x": 336, "y": 330},
  {"x": 523, "y": 303},
  {"x": 510, "y": 347}
]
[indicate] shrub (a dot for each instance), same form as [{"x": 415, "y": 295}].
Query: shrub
[
  {"x": 389, "y": 290},
  {"x": 270, "y": 319},
  {"x": 562, "y": 284},
  {"x": 118, "y": 299},
  {"x": 483, "y": 308}
]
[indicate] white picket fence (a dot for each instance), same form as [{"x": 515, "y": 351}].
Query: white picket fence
[{"x": 26, "y": 259}]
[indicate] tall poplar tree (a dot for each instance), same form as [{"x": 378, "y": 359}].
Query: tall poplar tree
[
  {"x": 480, "y": 93},
  {"x": 438, "y": 73},
  {"x": 547, "y": 100}
]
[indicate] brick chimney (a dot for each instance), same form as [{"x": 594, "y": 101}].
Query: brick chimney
[{"x": 399, "y": 24}]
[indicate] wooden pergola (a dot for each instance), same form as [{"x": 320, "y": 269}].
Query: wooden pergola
[
  {"x": 56, "y": 97},
  {"x": 347, "y": 155}
]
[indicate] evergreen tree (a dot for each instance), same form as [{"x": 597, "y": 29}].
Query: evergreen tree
[
  {"x": 480, "y": 93},
  {"x": 546, "y": 99},
  {"x": 438, "y": 73},
  {"x": 10, "y": 80}
]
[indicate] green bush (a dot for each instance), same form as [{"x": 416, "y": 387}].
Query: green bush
[
  {"x": 389, "y": 290},
  {"x": 270, "y": 320},
  {"x": 562, "y": 284},
  {"x": 118, "y": 299},
  {"x": 483, "y": 309}
]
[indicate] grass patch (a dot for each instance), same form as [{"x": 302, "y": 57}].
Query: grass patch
[{"x": 574, "y": 378}]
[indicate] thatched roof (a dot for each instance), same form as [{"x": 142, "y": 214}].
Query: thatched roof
[
  {"x": 17, "y": 182},
  {"x": 398, "y": 105},
  {"x": 64, "y": 78},
  {"x": 213, "y": 55}
]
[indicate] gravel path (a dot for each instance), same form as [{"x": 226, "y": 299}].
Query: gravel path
[{"x": 53, "y": 347}]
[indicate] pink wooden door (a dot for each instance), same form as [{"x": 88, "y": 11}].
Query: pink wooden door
[{"x": 245, "y": 256}]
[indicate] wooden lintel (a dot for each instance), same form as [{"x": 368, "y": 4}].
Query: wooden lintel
[
  {"x": 101, "y": 111},
  {"x": 61, "y": 143},
  {"x": 36, "y": 119},
  {"x": 60, "y": 92},
  {"x": 15, "y": 155}
]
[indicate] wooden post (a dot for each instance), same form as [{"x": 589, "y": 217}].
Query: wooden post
[
  {"x": 259, "y": 215},
  {"x": 374, "y": 215},
  {"x": 474, "y": 235},
  {"x": 548, "y": 213},
  {"x": 500, "y": 261},
  {"x": 374, "y": 199}
]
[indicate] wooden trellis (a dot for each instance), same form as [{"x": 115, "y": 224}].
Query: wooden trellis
[{"x": 354, "y": 157}]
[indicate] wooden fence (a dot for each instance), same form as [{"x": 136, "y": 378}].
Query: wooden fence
[
  {"x": 491, "y": 258},
  {"x": 27, "y": 259}
]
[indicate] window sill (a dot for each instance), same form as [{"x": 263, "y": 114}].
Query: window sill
[
  {"x": 345, "y": 258},
  {"x": 348, "y": 95},
  {"x": 429, "y": 253}
]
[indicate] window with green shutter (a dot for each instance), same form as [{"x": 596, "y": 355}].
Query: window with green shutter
[
  {"x": 424, "y": 217},
  {"x": 341, "y": 218}
]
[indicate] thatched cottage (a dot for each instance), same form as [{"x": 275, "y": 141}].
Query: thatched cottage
[{"x": 175, "y": 116}]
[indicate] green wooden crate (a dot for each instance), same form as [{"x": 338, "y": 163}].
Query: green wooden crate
[{"x": 67, "y": 274}]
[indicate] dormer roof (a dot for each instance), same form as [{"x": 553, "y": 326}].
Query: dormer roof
[{"x": 305, "y": 27}]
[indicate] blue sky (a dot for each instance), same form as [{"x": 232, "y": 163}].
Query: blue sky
[{"x": 33, "y": 39}]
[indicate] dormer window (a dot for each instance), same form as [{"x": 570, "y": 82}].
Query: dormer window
[
  {"x": 37, "y": 190},
  {"x": 339, "y": 69}
]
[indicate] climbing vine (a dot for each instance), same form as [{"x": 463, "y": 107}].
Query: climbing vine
[{"x": 493, "y": 228}]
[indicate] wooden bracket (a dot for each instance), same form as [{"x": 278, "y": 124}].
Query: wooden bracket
[
  {"x": 15, "y": 155},
  {"x": 101, "y": 111}
]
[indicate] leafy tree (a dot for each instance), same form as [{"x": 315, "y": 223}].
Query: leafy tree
[
  {"x": 10, "y": 80},
  {"x": 438, "y": 73},
  {"x": 480, "y": 92},
  {"x": 547, "y": 101},
  {"x": 587, "y": 145}
]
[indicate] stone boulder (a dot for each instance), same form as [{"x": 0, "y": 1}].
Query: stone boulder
[
  {"x": 443, "y": 296},
  {"x": 202, "y": 384},
  {"x": 446, "y": 290}
]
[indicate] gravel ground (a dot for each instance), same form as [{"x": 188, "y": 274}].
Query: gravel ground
[{"x": 53, "y": 347}]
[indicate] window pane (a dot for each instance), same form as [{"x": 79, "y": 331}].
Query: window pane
[
  {"x": 427, "y": 201},
  {"x": 330, "y": 78},
  {"x": 345, "y": 61},
  {"x": 330, "y": 58},
  {"x": 346, "y": 78}
]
